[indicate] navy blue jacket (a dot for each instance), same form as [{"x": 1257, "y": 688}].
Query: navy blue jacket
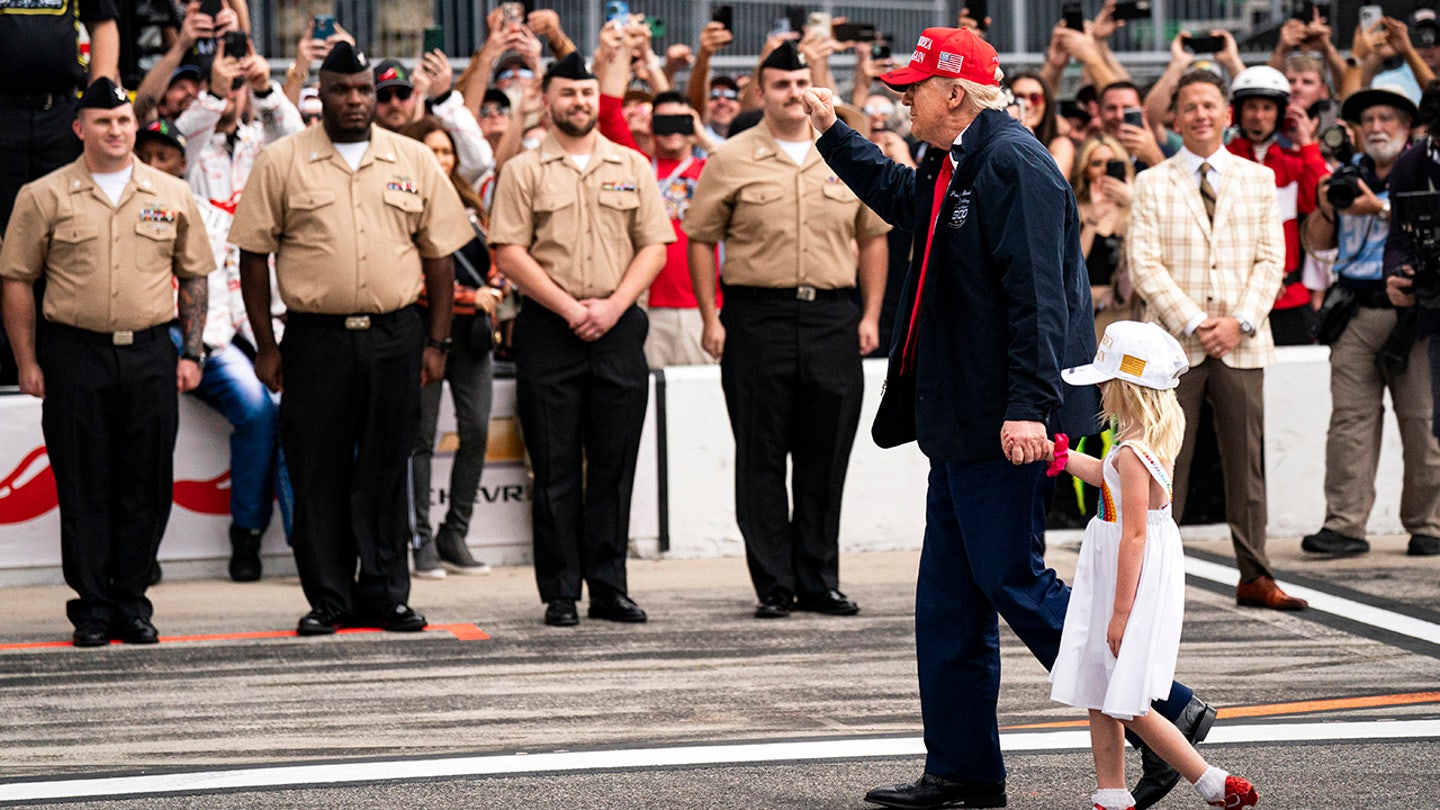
[{"x": 1007, "y": 297}]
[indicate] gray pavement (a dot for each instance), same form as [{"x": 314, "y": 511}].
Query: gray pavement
[{"x": 701, "y": 672}]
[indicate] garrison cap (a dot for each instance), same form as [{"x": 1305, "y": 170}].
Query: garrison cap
[
  {"x": 345, "y": 59},
  {"x": 103, "y": 94}
]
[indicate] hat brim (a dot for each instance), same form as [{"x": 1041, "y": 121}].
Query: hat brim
[
  {"x": 1361, "y": 100},
  {"x": 1088, "y": 374},
  {"x": 395, "y": 83},
  {"x": 147, "y": 135},
  {"x": 900, "y": 79}
]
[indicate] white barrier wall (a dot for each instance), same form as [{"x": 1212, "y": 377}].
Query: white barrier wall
[{"x": 884, "y": 496}]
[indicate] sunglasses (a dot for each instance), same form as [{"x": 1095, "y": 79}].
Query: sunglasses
[
  {"x": 1033, "y": 99},
  {"x": 514, "y": 73},
  {"x": 401, "y": 93},
  {"x": 493, "y": 112},
  {"x": 878, "y": 110},
  {"x": 731, "y": 95}
]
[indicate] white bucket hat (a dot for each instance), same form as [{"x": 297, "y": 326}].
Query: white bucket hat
[{"x": 1141, "y": 353}]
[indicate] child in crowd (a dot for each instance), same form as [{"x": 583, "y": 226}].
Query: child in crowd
[{"x": 1122, "y": 628}]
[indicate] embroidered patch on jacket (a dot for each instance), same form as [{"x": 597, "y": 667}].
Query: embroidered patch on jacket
[
  {"x": 404, "y": 184},
  {"x": 156, "y": 213},
  {"x": 962, "y": 210},
  {"x": 617, "y": 186}
]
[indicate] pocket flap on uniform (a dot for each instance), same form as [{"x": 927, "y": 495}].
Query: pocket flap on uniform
[
  {"x": 553, "y": 202},
  {"x": 310, "y": 200},
  {"x": 622, "y": 200},
  {"x": 75, "y": 233},
  {"x": 838, "y": 191},
  {"x": 759, "y": 194},
  {"x": 159, "y": 231},
  {"x": 404, "y": 200}
]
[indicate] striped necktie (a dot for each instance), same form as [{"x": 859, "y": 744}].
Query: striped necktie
[{"x": 1207, "y": 191}]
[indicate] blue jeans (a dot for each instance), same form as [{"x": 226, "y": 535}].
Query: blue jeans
[{"x": 257, "y": 465}]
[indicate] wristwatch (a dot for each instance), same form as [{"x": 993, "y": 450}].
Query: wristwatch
[
  {"x": 1246, "y": 328},
  {"x": 197, "y": 359},
  {"x": 1385, "y": 211},
  {"x": 442, "y": 346}
]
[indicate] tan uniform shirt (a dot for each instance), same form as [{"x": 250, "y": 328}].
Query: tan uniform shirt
[
  {"x": 349, "y": 242},
  {"x": 783, "y": 225},
  {"x": 108, "y": 268},
  {"x": 582, "y": 227}
]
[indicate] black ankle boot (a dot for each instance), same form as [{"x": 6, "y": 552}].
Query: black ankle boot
[{"x": 245, "y": 554}]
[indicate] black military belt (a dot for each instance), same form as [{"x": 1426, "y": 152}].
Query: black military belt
[
  {"x": 128, "y": 337},
  {"x": 802, "y": 293},
  {"x": 36, "y": 101},
  {"x": 354, "y": 323},
  {"x": 1373, "y": 300}
]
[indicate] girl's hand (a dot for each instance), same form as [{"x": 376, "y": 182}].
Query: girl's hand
[{"x": 1116, "y": 632}]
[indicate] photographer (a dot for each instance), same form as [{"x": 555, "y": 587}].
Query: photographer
[
  {"x": 1418, "y": 170},
  {"x": 1372, "y": 344}
]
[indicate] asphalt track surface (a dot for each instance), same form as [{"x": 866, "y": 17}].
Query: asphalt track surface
[{"x": 703, "y": 707}]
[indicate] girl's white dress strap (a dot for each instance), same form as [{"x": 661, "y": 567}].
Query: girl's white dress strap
[{"x": 1152, "y": 463}]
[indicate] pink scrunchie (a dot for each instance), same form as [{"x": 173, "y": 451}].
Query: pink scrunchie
[{"x": 1062, "y": 455}]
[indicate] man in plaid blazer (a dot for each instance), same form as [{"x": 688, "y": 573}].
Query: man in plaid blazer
[{"x": 1207, "y": 253}]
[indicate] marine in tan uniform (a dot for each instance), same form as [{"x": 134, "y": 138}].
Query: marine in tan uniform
[
  {"x": 110, "y": 236},
  {"x": 359, "y": 219},
  {"x": 790, "y": 337},
  {"x": 579, "y": 226}
]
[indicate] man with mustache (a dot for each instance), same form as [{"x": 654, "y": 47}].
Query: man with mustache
[
  {"x": 359, "y": 219},
  {"x": 1358, "y": 378},
  {"x": 790, "y": 337},
  {"x": 578, "y": 225}
]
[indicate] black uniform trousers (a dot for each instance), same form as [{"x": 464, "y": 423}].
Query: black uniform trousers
[
  {"x": 793, "y": 386},
  {"x": 582, "y": 409},
  {"x": 109, "y": 418},
  {"x": 348, "y": 422}
]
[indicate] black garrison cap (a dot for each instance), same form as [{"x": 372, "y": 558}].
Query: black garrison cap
[
  {"x": 571, "y": 67},
  {"x": 785, "y": 57},
  {"x": 103, "y": 94},
  {"x": 345, "y": 59}
]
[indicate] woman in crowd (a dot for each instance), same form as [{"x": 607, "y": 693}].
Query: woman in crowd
[
  {"x": 468, "y": 369},
  {"x": 1104, "y": 202},
  {"x": 1040, "y": 117}
]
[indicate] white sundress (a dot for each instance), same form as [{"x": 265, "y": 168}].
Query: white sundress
[{"x": 1085, "y": 674}]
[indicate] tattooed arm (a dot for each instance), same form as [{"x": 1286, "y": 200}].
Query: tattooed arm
[{"x": 193, "y": 300}]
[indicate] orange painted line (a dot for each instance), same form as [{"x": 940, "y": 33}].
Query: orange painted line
[
  {"x": 1277, "y": 709},
  {"x": 463, "y": 632}
]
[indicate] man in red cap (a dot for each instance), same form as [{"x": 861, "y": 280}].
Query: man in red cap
[{"x": 993, "y": 307}]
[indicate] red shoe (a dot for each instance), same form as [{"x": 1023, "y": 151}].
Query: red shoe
[{"x": 1239, "y": 794}]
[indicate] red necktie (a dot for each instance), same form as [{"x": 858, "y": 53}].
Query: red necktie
[{"x": 912, "y": 333}]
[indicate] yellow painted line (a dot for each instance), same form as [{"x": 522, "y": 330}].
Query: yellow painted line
[{"x": 1281, "y": 709}]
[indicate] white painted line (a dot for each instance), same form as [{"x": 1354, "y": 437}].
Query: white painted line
[
  {"x": 1328, "y": 603},
  {"x": 585, "y": 761}
]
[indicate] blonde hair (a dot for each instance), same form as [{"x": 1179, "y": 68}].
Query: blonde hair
[
  {"x": 1080, "y": 171},
  {"x": 1153, "y": 413}
]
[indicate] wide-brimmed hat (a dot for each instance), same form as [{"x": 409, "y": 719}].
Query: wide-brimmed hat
[{"x": 1391, "y": 94}]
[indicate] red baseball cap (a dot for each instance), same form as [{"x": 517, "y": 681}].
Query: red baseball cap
[{"x": 955, "y": 53}]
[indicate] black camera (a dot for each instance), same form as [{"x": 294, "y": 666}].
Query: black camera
[
  {"x": 1345, "y": 181},
  {"x": 1417, "y": 213}
]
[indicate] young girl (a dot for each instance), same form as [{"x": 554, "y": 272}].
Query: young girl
[{"x": 1122, "y": 629}]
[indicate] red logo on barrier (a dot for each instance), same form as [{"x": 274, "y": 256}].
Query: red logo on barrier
[
  {"x": 206, "y": 497},
  {"x": 29, "y": 491}
]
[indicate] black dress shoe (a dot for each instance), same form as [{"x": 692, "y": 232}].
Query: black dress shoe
[
  {"x": 831, "y": 603},
  {"x": 562, "y": 613},
  {"x": 618, "y": 608},
  {"x": 1333, "y": 543},
  {"x": 775, "y": 607},
  {"x": 936, "y": 791},
  {"x": 91, "y": 634},
  {"x": 245, "y": 554},
  {"x": 399, "y": 618},
  {"x": 1157, "y": 778},
  {"x": 136, "y": 630},
  {"x": 322, "y": 621},
  {"x": 1423, "y": 545}
]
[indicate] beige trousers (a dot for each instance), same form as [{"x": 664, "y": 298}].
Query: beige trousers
[
  {"x": 1352, "y": 449},
  {"x": 674, "y": 338}
]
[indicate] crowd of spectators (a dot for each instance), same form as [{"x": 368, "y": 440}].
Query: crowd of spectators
[{"x": 210, "y": 104}]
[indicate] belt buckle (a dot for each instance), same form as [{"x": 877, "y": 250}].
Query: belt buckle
[
  {"x": 357, "y": 322},
  {"x": 125, "y": 338},
  {"x": 805, "y": 293}
]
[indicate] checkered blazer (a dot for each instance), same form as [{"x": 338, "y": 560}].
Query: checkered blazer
[{"x": 1184, "y": 267}]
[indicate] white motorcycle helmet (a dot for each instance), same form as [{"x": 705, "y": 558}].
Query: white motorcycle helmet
[{"x": 1261, "y": 81}]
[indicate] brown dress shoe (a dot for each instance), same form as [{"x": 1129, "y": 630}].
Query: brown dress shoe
[{"x": 1263, "y": 592}]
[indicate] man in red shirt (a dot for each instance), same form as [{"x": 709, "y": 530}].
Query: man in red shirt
[{"x": 1261, "y": 96}]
